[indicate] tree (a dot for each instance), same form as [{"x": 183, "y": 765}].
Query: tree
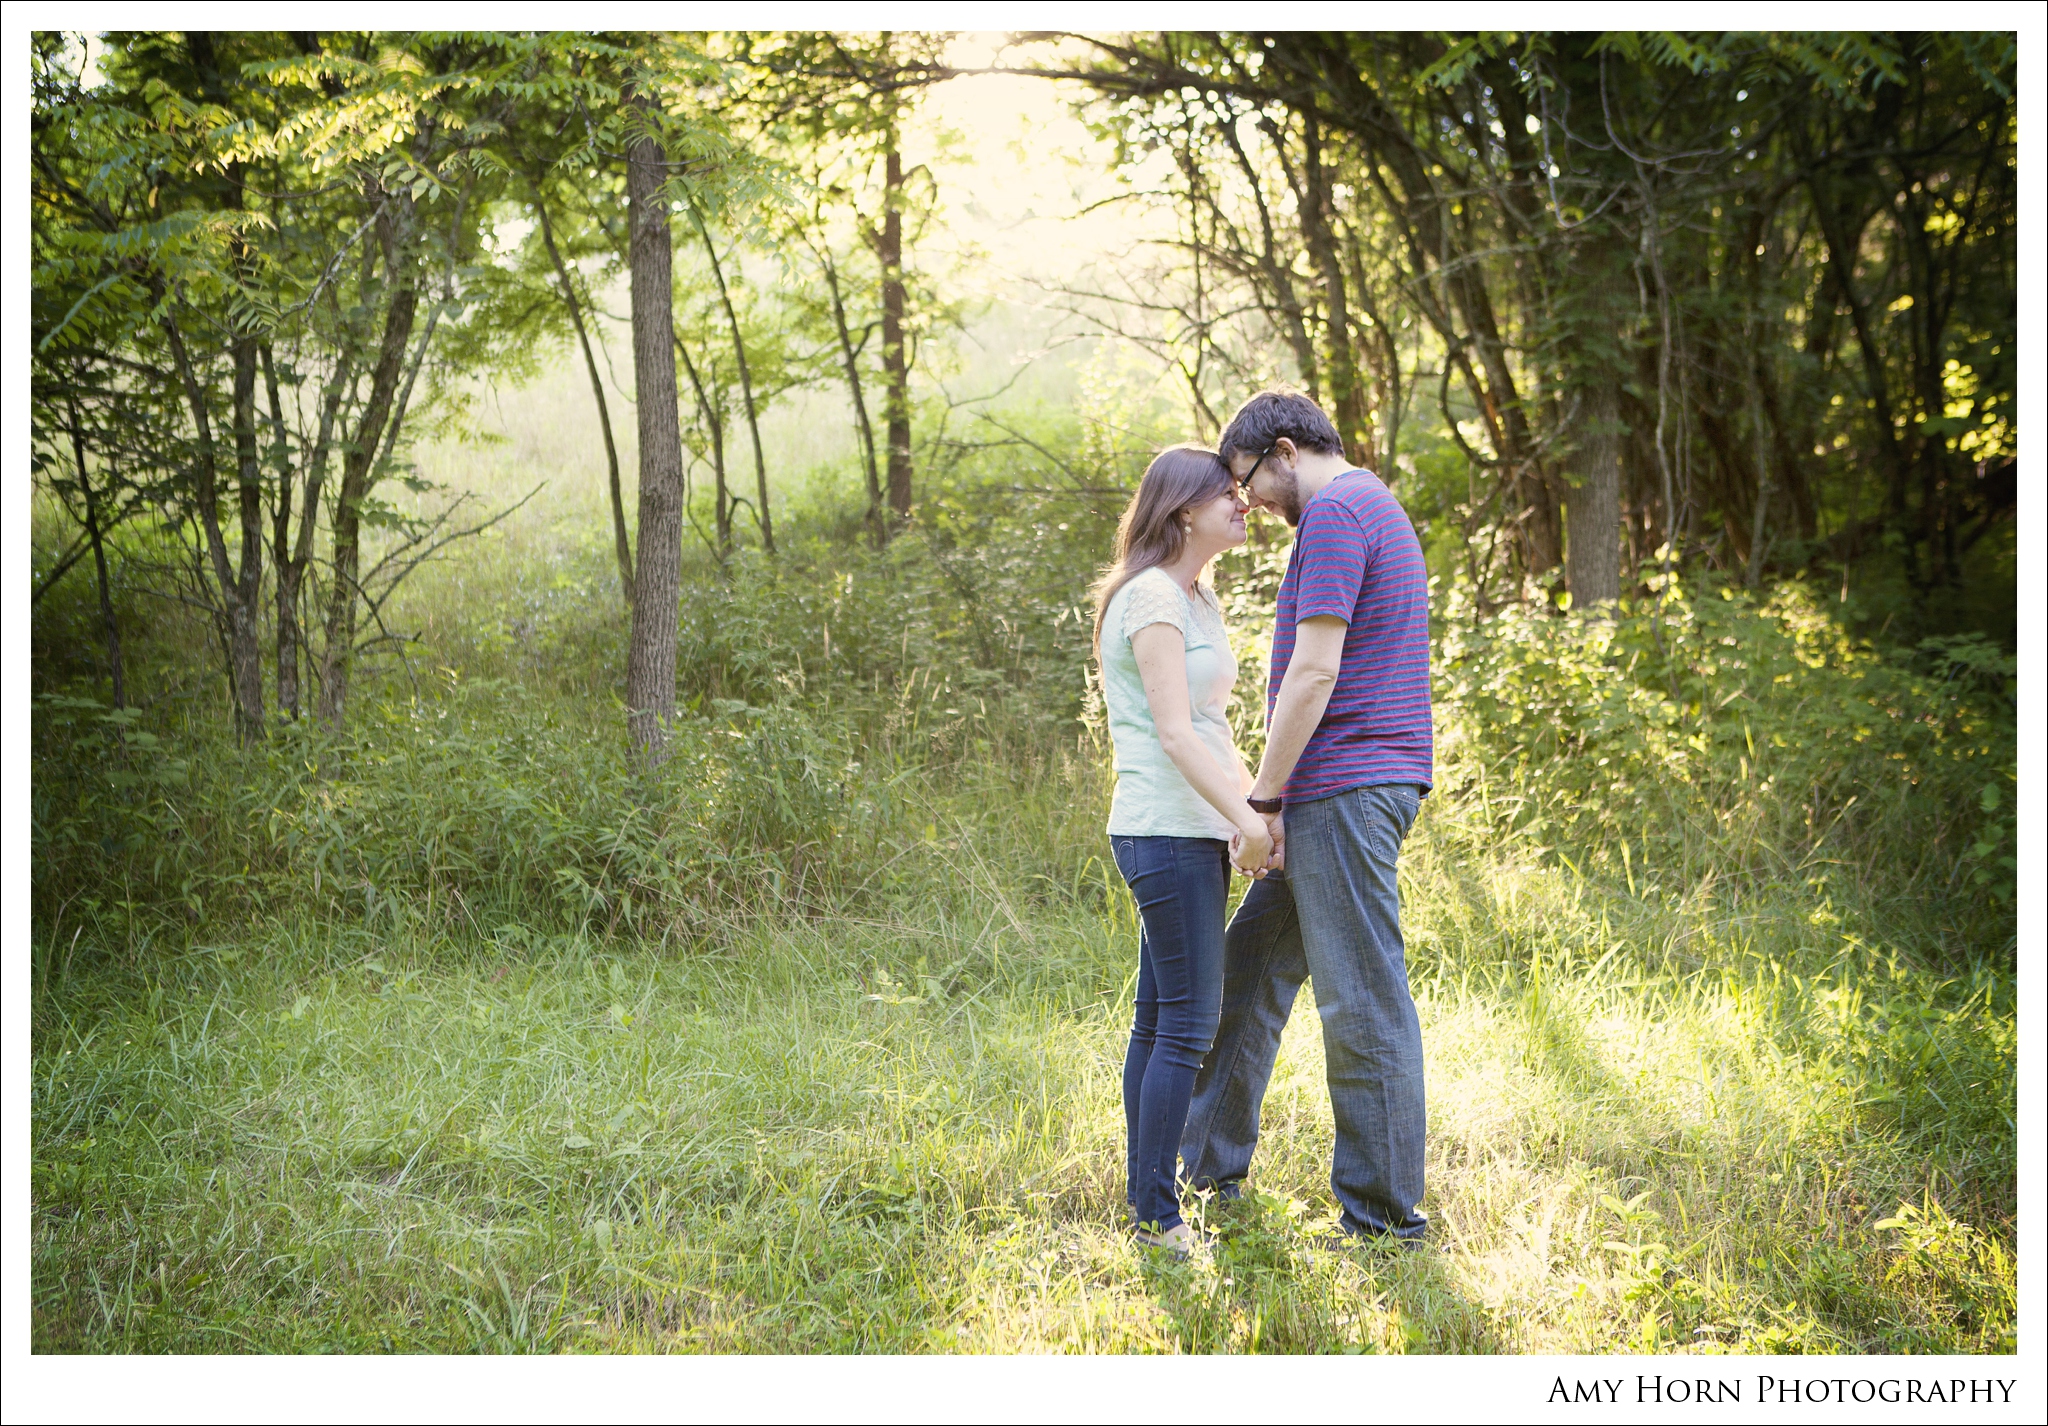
[
  {"x": 264, "y": 211},
  {"x": 739, "y": 353},
  {"x": 657, "y": 579},
  {"x": 853, "y": 88},
  {"x": 1601, "y": 237},
  {"x": 574, "y": 303},
  {"x": 888, "y": 242}
]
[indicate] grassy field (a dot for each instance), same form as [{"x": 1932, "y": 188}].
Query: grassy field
[
  {"x": 1656, "y": 1124},
  {"x": 463, "y": 1036}
]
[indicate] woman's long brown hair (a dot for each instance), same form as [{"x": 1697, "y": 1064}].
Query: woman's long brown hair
[{"x": 1150, "y": 533}]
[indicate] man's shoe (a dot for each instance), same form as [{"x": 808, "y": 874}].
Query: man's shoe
[
  {"x": 1343, "y": 1242},
  {"x": 1217, "y": 1212}
]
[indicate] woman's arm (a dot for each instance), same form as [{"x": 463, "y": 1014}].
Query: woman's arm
[
  {"x": 1163, "y": 664},
  {"x": 1244, "y": 775}
]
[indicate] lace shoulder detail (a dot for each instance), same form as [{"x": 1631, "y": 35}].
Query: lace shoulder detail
[
  {"x": 1208, "y": 611},
  {"x": 1152, "y": 598}
]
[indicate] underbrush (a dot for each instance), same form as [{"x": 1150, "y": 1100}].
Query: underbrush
[
  {"x": 1709, "y": 734},
  {"x": 1703, "y": 738}
]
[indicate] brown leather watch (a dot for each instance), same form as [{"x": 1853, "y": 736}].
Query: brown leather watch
[{"x": 1266, "y": 806}]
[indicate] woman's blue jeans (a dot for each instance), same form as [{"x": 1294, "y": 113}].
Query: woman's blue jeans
[{"x": 1180, "y": 884}]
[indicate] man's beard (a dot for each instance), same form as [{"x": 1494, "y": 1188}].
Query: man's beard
[{"x": 1287, "y": 500}]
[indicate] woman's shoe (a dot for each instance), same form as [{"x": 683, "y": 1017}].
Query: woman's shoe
[{"x": 1178, "y": 1240}]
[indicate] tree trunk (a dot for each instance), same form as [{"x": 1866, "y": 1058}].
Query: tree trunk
[
  {"x": 739, "y": 351},
  {"x": 1338, "y": 358},
  {"x": 1758, "y": 534},
  {"x": 1600, "y": 322},
  {"x": 1593, "y": 506},
  {"x": 877, "y": 527},
  {"x": 1788, "y": 459},
  {"x": 895, "y": 366},
  {"x": 358, "y": 467},
  {"x": 1843, "y": 242},
  {"x": 239, "y": 590},
  {"x": 292, "y": 564},
  {"x": 249, "y": 493},
  {"x": 657, "y": 578},
  {"x": 280, "y": 544},
  {"x": 622, "y": 546},
  {"x": 99, "y": 559},
  {"x": 1779, "y": 467},
  {"x": 245, "y": 668},
  {"x": 288, "y": 699},
  {"x": 1383, "y": 363},
  {"x": 722, "y": 509}
]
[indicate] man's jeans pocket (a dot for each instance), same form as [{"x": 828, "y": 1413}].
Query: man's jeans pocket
[{"x": 1393, "y": 807}]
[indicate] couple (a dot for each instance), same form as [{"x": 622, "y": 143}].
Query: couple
[{"x": 1319, "y": 829}]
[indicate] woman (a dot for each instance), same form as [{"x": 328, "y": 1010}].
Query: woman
[{"x": 1179, "y": 820}]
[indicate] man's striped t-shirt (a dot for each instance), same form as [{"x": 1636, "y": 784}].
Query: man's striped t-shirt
[{"x": 1356, "y": 557}]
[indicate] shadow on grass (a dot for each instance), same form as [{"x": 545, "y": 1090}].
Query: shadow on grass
[{"x": 1269, "y": 1282}]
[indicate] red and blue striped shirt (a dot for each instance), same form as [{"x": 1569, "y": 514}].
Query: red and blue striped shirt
[{"x": 1356, "y": 557}]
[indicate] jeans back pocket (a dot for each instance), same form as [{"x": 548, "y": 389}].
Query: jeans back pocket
[{"x": 1124, "y": 852}]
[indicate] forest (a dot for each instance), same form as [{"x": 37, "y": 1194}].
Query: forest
[{"x": 567, "y": 765}]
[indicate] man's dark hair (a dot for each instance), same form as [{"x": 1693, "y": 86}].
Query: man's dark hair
[{"x": 1271, "y": 415}]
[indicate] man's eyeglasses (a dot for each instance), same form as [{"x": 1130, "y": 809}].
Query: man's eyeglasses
[{"x": 1244, "y": 482}]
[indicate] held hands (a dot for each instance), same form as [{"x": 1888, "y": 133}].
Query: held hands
[
  {"x": 1260, "y": 846},
  {"x": 1253, "y": 845}
]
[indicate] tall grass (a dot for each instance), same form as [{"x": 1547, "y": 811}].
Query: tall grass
[
  {"x": 1653, "y": 1127},
  {"x": 462, "y": 1031}
]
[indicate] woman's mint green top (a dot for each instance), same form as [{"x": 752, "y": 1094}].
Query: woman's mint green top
[{"x": 1152, "y": 798}]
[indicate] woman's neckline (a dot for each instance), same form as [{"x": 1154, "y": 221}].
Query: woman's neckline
[{"x": 1192, "y": 591}]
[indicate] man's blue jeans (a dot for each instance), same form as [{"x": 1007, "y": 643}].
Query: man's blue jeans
[
  {"x": 1181, "y": 884},
  {"x": 1334, "y": 915}
]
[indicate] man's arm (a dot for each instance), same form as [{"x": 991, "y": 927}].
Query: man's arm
[{"x": 1304, "y": 694}]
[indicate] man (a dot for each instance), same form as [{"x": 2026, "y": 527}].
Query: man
[{"x": 1348, "y": 759}]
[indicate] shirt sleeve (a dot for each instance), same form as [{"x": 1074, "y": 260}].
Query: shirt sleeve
[
  {"x": 1152, "y": 599},
  {"x": 1333, "y": 556}
]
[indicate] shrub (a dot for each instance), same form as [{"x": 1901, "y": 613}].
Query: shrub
[
  {"x": 840, "y": 700},
  {"x": 1718, "y": 732}
]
